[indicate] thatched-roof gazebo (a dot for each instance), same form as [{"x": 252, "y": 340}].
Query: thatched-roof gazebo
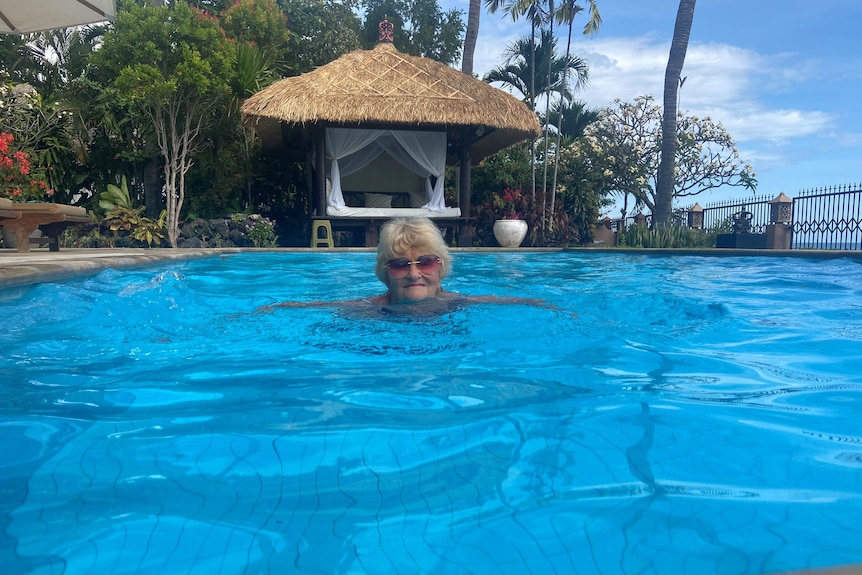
[{"x": 387, "y": 91}]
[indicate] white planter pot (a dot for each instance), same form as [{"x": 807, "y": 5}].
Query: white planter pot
[{"x": 510, "y": 233}]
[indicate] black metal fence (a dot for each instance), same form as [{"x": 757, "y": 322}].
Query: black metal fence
[
  {"x": 828, "y": 218},
  {"x": 719, "y": 216},
  {"x": 822, "y": 218}
]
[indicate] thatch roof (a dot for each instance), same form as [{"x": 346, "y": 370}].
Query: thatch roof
[{"x": 385, "y": 87}]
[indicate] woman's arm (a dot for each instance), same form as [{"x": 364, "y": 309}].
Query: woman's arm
[
  {"x": 506, "y": 300},
  {"x": 376, "y": 300}
]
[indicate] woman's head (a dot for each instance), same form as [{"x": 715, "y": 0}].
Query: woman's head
[{"x": 411, "y": 238}]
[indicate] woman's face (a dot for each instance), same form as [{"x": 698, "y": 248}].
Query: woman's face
[{"x": 416, "y": 281}]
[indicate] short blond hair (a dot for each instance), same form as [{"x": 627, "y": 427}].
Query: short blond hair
[{"x": 399, "y": 235}]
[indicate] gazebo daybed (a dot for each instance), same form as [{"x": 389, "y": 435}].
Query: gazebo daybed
[{"x": 378, "y": 129}]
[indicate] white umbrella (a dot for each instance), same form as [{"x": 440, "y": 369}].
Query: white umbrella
[{"x": 25, "y": 16}]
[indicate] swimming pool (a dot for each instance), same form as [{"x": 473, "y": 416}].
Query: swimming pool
[{"x": 696, "y": 415}]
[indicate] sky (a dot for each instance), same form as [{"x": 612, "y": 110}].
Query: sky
[{"x": 783, "y": 77}]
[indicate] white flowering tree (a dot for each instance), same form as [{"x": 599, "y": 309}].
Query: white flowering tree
[{"x": 624, "y": 147}]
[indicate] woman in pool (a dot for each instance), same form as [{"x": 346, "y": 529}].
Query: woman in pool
[{"x": 412, "y": 260}]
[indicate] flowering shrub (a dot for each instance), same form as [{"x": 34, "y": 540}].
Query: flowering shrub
[
  {"x": 509, "y": 201},
  {"x": 42, "y": 130},
  {"x": 256, "y": 229},
  {"x": 18, "y": 180}
]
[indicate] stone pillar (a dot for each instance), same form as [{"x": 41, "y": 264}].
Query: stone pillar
[
  {"x": 780, "y": 229},
  {"x": 604, "y": 234},
  {"x": 778, "y": 236},
  {"x": 695, "y": 217}
]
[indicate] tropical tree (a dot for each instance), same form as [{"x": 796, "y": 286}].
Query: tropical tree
[
  {"x": 575, "y": 119},
  {"x": 320, "y": 32},
  {"x": 19, "y": 60},
  {"x": 173, "y": 66},
  {"x": 470, "y": 36},
  {"x": 257, "y": 22},
  {"x": 624, "y": 147},
  {"x": 676, "y": 59},
  {"x": 515, "y": 9},
  {"x": 517, "y": 70},
  {"x": 421, "y": 28},
  {"x": 566, "y": 15}
]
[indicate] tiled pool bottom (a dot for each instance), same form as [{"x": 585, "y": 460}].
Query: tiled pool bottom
[
  {"x": 684, "y": 430},
  {"x": 571, "y": 488}
]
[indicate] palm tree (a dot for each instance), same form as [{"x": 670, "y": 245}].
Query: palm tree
[
  {"x": 532, "y": 9},
  {"x": 517, "y": 71},
  {"x": 675, "y": 62},
  {"x": 566, "y": 15},
  {"x": 575, "y": 119},
  {"x": 20, "y": 62},
  {"x": 470, "y": 36}
]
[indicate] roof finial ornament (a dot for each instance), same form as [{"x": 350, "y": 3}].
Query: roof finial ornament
[{"x": 385, "y": 29}]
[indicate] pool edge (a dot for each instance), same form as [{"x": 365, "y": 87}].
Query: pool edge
[{"x": 19, "y": 270}]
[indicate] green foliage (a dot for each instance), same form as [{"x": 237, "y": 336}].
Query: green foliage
[
  {"x": 41, "y": 130},
  {"x": 124, "y": 221},
  {"x": 116, "y": 196},
  {"x": 320, "y": 32},
  {"x": 580, "y": 187},
  {"x": 256, "y": 22},
  {"x": 575, "y": 119},
  {"x": 517, "y": 69},
  {"x": 156, "y": 55},
  {"x": 18, "y": 181},
  {"x": 259, "y": 230},
  {"x": 509, "y": 168},
  {"x": 219, "y": 178},
  {"x": 174, "y": 66},
  {"x": 670, "y": 236},
  {"x": 421, "y": 28}
]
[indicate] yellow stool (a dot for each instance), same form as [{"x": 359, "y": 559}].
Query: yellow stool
[{"x": 318, "y": 240}]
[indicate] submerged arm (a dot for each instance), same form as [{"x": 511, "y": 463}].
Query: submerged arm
[
  {"x": 339, "y": 303},
  {"x": 506, "y": 300},
  {"x": 512, "y": 300}
]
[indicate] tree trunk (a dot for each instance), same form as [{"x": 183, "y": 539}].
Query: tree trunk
[
  {"x": 675, "y": 62},
  {"x": 547, "y": 111},
  {"x": 563, "y": 90},
  {"x": 533, "y": 103},
  {"x": 471, "y": 36}
]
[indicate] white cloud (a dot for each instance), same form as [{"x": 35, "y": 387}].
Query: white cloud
[
  {"x": 775, "y": 104},
  {"x": 727, "y": 83}
]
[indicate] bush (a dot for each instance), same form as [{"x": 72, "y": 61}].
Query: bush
[{"x": 673, "y": 236}]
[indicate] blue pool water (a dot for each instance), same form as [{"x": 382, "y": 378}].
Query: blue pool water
[{"x": 672, "y": 415}]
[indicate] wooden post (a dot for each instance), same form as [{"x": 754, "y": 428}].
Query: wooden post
[
  {"x": 319, "y": 198},
  {"x": 465, "y": 234}
]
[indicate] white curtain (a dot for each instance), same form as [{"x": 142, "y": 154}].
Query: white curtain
[
  {"x": 423, "y": 153},
  {"x": 340, "y": 143}
]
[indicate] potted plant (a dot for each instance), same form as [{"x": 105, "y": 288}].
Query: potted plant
[{"x": 510, "y": 230}]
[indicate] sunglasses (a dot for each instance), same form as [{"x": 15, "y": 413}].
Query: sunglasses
[{"x": 399, "y": 267}]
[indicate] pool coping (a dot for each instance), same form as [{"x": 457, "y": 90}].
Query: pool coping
[{"x": 40, "y": 265}]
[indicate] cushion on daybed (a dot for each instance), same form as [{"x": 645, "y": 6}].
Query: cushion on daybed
[
  {"x": 349, "y": 212},
  {"x": 378, "y": 200}
]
